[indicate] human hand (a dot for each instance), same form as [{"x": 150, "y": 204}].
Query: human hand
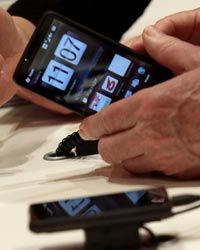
[
  {"x": 183, "y": 26},
  {"x": 15, "y": 34},
  {"x": 156, "y": 129},
  {"x": 12, "y": 43}
]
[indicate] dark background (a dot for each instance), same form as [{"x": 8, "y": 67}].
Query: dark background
[{"x": 109, "y": 17}]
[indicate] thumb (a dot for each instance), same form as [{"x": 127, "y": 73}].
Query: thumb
[
  {"x": 10, "y": 41},
  {"x": 171, "y": 52},
  {"x": 7, "y": 88}
]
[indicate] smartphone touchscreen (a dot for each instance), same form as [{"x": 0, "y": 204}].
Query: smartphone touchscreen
[
  {"x": 90, "y": 211},
  {"x": 80, "y": 69}
]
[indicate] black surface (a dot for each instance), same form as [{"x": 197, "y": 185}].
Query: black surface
[{"x": 109, "y": 17}]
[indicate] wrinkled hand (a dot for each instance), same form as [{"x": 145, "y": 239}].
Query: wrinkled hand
[
  {"x": 15, "y": 34},
  {"x": 157, "y": 129},
  {"x": 11, "y": 47},
  {"x": 181, "y": 34}
]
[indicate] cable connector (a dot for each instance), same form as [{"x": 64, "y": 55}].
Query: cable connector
[
  {"x": 182, "y": 200},
  {"x": 68, "y": 143},
  {"x": 71, "y": 146},
  {"x": 190, "y": 201}
]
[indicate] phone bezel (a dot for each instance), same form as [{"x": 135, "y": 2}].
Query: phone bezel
[
  {"x": 141, "y": 214},
  {"x": 39, "y": 35},
  {"x": 40, "y": 32}
]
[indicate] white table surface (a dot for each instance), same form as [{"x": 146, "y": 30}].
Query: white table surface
[{"x": 26, "y": 133}]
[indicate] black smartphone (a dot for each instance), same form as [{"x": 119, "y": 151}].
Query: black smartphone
[
  {"x": 80, "y": 69},
  {"x": 86, "y": 212}
]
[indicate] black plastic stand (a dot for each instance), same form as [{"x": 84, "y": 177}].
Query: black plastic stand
[{"x": 114, "y": 237}]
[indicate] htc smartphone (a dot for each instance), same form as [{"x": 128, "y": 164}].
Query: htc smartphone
[
  {"x": 80, "y": 69},
  {"x": 87, "y": 212}
]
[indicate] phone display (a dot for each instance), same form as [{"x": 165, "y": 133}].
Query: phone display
[
  {"x": 74, "y": 213},
  {"x": 80, "y": 69}
]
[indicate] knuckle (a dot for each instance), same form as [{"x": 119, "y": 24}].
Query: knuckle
[
  {"x": 3, "y": 14},
  {"x": 167, "y": 46},
  {"x": 151, "y": 105},
  {"x": 160, "y": 102},
  {"x": 105, "y": 151},
  {"x": 128, "y": 167},
  {"x": 168, "y": 166},
  {"x": 162, "y": 21},
  {"x": 167, "y": 24},
  {"x": 196, "y": 14},
  {"x": 141, "y": 97},
  {"x": 106, "y": 122},
  {"x": 2, "y": 11},
  {"x": 194, "y": 61},
  {"x": 165, "y": 169}
]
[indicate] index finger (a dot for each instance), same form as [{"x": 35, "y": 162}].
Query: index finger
[
  {"x": 118, "y": 116},
  {"x": 183, "y": 25}
]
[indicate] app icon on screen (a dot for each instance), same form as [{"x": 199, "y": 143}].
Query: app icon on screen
[
  {"x": 92, "y": 211},
  {"x": 53, "y": 28},
  {"x": 99, "y": 102},
  {"x": 141, "y": 70},
  {"x": 119, "y": 65},
  {"x": 85, "y": 100},
  {"x": 135, "y": 82},
  {"x": 110, "y": 84},
  {"x": 70, "y": 49},
  {"x": 57, "y": 75},
  {"x": 128, "y": 93},
  {"x": 73, "y": 207}
]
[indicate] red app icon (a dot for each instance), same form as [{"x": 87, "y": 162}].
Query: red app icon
[{"x": 110, "y": 84}]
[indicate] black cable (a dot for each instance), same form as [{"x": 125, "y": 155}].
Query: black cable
[
  {"x": 71, "y": 146},
  {"x": 184, "y": 199},
  {"x": 151, "y": 234},
  {"x": 186, "y": 210},
  {"x": 74, "y": 141},
  {"x": 68, "y": 143},
  {"x": 176, "y": 201},
  {"x": 155, "y": 240}
]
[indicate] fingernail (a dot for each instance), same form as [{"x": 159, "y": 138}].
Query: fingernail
[
  {"x": 152, "y": 31},
  {"x": 82, "y": 135},
  {"x": 85, "y": 136}
]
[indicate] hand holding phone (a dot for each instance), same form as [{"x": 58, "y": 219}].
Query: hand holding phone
[{"x": 78, "y": 69}]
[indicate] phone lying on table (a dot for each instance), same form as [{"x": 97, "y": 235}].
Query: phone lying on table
[
  {"x": 87, "y": 212},
  {"x": 80, "y": 69}
]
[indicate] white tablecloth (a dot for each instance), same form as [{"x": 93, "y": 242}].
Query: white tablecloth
[{"x": 28, "y": 132}]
